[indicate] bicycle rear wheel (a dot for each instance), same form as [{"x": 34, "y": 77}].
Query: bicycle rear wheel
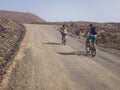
[
  {"x": 64, "y": 42},
  {"x": 64, "y": 39},
  {"x": 93, "y": 49},
  {"x": 93, "y": 52},
  {"x": 87, "y": 47}
]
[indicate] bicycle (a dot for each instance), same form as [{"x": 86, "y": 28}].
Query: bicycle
[
  {"x": 90, "y": 47},
  {"x": 64, "y": 39}
]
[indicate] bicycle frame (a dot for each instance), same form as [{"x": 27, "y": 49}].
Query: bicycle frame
[
  {"x": 64, "y": 39},
  {"x": 90, "y": 47}
]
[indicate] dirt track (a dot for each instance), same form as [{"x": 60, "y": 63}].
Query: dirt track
[{"x": 43, "y": 63}]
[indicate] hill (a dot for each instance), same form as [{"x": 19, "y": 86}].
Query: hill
[
  {"x": 11, "y": 34},
  {"x": 20, "y": 17}
]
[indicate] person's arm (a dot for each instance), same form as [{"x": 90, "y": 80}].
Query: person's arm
[
  {"x": 61, "y": 29},
  {"x": 86, "y": 33}
]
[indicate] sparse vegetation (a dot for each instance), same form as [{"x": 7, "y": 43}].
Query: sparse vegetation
[
  {"x": 11, "y": 34},
  {"x": 108, "y": 33}
]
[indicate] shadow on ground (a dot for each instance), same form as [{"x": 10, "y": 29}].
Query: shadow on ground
[
  {"x": 81, "y": 53},
  {"x": 53, "y": 43}
]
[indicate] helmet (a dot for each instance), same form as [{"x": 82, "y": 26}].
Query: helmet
[{"x": 91, "y": 25}]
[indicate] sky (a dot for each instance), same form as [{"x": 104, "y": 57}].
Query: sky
[{"x": 67, "y": 10}]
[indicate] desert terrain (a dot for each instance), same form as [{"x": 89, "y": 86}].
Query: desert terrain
[{"x": 33, "y": 58}]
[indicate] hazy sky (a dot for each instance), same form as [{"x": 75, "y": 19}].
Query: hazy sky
[{"x": 67, "y": 10}]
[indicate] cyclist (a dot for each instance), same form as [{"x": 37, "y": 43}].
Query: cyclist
[
  {"x": 64, "y": 32},
  {"x": 92, "y": 34}
]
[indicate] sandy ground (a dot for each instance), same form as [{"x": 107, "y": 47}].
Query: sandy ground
[{"x": 42, "y": 63}]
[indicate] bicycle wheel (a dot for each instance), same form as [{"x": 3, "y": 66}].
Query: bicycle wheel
[
  {"x": 93, "y": 49},
  {"x": 65, "y": 39},
  {"x": 93, "y": 52},
  {"x": 87, "y": 46},
  {"x": 64, "y": 42}
]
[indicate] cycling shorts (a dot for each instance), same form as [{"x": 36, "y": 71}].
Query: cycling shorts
[
  {"x": 65, "y": 33},
  {"x": 92, "y": 37}
]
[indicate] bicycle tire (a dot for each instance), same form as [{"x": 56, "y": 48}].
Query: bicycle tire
[
  {"x": 93, "y": 52},
  {"x": 64, "y": 42},
  {"x": 87, "y": 46},
  {"x": 93, "y": 49}
]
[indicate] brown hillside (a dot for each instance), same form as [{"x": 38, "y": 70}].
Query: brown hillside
[
  {"x": 11, "y": 34},
  {"x": 21, "y": 17}
]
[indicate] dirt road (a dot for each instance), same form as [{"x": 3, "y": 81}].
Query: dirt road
[{"x": 42, "y": 63}]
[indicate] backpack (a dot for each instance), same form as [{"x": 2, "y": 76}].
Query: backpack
[{"x": 93, "y": 31}]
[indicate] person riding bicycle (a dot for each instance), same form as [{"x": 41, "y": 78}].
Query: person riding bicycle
[
  {"x": 91, "y": 34},
  {"x": 64, "y": 32}
]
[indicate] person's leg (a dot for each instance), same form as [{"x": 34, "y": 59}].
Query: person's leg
[
  {"x": 94, "y": 40},
  {"x": 87, "y": 41},
  {"x": 65, "y": 36},
  {"x": 94, "y": 45}
]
